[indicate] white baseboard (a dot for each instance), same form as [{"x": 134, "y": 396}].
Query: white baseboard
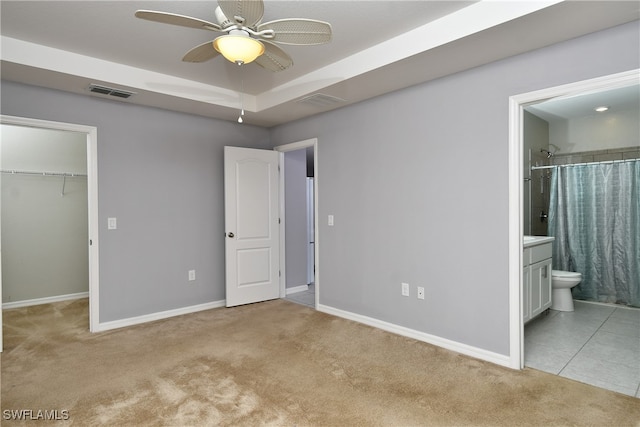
[
  {"x": 478, "y": 353},
  {"x": 45, "y": 300},
  {"x": 115, "y": 324},
  {"x": 297, "y": 289}
]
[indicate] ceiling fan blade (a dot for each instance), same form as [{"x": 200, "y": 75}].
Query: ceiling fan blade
[
  {"x": 247, "y": 12},
  {"x": 175, "y": 19},
  {"x": 201, "y": 53},
  {"x": 298, "y": 31},
  {"x": 273, "y": 58}
]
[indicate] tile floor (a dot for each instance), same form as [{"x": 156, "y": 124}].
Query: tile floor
[
  {"x": 596, "y": 344},
  {"x": 307, "y": 297}
]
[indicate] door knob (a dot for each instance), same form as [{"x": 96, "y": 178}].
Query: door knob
[{"x": 231, "y": 234}]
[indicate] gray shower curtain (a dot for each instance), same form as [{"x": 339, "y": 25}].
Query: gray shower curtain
[{"x": 594, "y": 215}]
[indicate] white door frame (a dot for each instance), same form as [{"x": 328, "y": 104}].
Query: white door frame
[
  {"x": 516, "y": 179},
  {"x": 311, "y": 231},
  {"x": 313, "y": 142},
  {"x": 92, "y": 199}
]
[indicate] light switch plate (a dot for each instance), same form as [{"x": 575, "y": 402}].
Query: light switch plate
[
  {"x": 330, "y": 221},
  {"x": 112, "y": 223},
  {"x": 405, "y": 289}
]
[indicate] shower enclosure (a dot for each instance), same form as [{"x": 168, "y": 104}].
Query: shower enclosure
[
  {"x": 595, "y": 219},
  {"x": 593, "y": 210},
  {"x": 536, "y": 195}
]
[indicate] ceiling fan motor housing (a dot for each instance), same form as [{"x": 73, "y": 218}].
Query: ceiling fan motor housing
[{"x": 222, "y": 18}]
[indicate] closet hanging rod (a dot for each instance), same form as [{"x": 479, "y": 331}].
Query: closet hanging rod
[
  {"x": 604, "y": 162},
  {"x": 22, "y": 172}
]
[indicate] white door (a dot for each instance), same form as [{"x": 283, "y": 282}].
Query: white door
[{"x": 252, "y": 225}]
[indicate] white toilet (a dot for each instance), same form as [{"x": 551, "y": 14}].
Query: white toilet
[{"x": 561, "y": 284}]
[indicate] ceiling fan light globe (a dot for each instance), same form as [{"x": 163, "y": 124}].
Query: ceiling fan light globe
[{"x": 238, "y": 49}]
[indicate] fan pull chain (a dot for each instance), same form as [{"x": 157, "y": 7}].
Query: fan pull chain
[{"x": 241, "y": 93}]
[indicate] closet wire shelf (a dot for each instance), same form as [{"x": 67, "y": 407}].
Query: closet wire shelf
[{"x": 64, "y": 175}]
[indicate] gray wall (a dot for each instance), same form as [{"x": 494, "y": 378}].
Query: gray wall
[
  {"x": 295, "y": 175},
  {"x": 161, "y": 174},
  {"x": 418, "y": 183},
  {"x": 44, "y": 234}
]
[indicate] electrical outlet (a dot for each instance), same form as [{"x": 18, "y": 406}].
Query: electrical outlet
[
  {"x": 405, "y": 289},
  {"x": 192, "y": 275},
  {"x": 420, "y": 292}
]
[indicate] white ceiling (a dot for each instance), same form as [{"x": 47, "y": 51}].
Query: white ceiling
[
  {"x": 622, "y": 99},
  {"x": 377, "y": 47}
]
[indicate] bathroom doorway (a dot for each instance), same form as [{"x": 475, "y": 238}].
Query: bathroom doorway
[{"x": 524, "y": 213}]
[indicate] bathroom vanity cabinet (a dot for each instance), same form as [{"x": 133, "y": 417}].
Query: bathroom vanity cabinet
[{"x": 536, "y": 277}]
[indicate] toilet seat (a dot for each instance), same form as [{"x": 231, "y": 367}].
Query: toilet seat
[{"x": 565, "y": 274}]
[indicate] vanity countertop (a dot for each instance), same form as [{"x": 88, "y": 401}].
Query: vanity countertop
[{"x": 536, "y": 240}]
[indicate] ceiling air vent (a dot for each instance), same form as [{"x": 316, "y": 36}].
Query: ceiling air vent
[
  {"x": 103, "y": 90},
  {"x": 321, "y": 100}
]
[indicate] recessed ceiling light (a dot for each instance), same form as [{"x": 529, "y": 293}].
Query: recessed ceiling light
[{"x": 601, "y": 109}]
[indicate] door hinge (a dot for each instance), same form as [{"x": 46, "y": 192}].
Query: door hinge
[
  {"x": 90, "y": 242},
  {"x": 279, "y": 221}
]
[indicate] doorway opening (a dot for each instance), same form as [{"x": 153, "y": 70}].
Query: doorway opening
[
  {"x": 517, "y": 105},
  {"x": 299, "y": 230},
  {"x": 68, "y": 185}
]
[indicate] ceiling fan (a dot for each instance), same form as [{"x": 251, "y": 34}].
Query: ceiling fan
[{"x": 246, "y": 38}]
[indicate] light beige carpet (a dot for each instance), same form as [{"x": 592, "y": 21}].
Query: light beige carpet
[{"x": 274, "y": 363}]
